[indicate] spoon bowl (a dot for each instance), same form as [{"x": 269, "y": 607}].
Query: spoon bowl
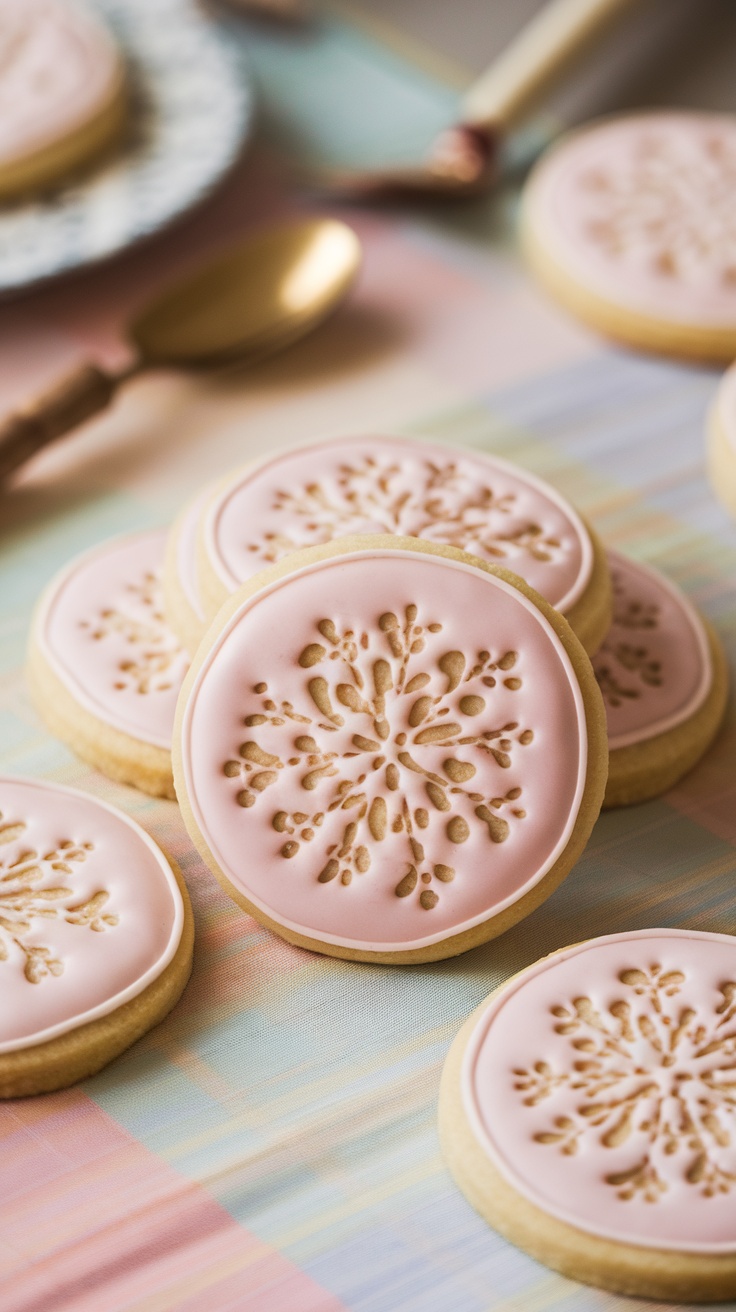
[{"x": 264, "y": 294}]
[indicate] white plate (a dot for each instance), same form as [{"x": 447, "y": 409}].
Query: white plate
[{"x": 190, "y": 114}]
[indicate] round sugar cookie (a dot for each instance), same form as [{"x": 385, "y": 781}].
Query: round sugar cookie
[
  {"x": 630, "y": 224},
  {"x": 96, "y": 935},
  {"x": 479, "y": 503},
  {"x": 664, "y": 679},
  {"x": 62, "y": 91},
  {"x": 388, "y": 751},
  {"x": 181, "y": 592},
  {"x": 722, "y": 442},
  {"x": 104, "y": 667},
  {"x": 587, "y": 1112}
]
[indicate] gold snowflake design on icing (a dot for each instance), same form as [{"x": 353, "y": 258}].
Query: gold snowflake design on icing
[
  {"x": 445, "y": 705},
  {"x": 25, "y": 899},
  {"x": 625, "y": 667},
  {"x": 673, "y": 204},
  {"x": 444, "y": 506},
  {"x": 649, "y": 1068},
  {"x": 156, "y": 655}
]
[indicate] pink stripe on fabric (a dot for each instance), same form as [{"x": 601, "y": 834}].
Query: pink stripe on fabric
[{"x": 158, "y": 1241}]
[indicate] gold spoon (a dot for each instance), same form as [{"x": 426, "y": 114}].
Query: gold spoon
[
  {"x": 464, "y": 160},
  {"x": 258, "y": 298}
]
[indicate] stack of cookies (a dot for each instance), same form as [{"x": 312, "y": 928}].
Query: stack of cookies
[
  {"x": 114, "y": 634},
  {"x": 391, "y": 684}
]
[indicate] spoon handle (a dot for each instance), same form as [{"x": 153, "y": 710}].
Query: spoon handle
[
  {"x": 536, "y": 58},
  {"x": 75, "y": 397}
]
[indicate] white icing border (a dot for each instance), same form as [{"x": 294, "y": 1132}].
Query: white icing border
[
  {"x": 686, "y": 712},
  {"x": 211, "y": 519},
  {"x": 452, "y": 931},
  {"x": 186, "y": 553},
  {"x": 473, "y": 1114},
  {"x": 153, "y": 972},
  {"x": 76, "y": 689}
]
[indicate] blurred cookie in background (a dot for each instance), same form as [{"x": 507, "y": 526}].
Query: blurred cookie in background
[
  {"x": 62, "y": 92},
  {"x": 629, "y": 223}
]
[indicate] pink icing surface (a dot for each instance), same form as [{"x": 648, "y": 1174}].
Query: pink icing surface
[
  {"x": 601, "y": 1084},
  {"x": 479, "y": 773},
  {"x": 640, "y": 210},
  {"x": 102, "y": 630},
  {"x": 90, "y": 913},
  {"x": 57, "y": 68},
  {"x": 726, "y": 406},
  {"x": 393, "y": 485},
  {"x": 654, "y": 668},
  {"x": 187, "y": 555}
]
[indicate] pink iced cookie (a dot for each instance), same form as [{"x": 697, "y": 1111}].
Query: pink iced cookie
[
  {"x": 105, "y": 668},
  {"x": 630, "y": 223},
  {"x": 61, "y": 90},
  {"x": 664, "y": 682},
  {"x": 363, "y": 750},
  {"x": 587, "y": 1110},
  {"x": 447, "y": 495},
  {"x": 95, "y": 935}
]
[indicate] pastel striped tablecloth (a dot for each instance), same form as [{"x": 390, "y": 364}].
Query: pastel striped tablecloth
[{"x": 272, "y": 1146}]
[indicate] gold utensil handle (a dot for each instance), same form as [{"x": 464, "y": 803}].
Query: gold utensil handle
[
  {"x": 76, "y": 397},
  {"x": 541, "y": 52}
]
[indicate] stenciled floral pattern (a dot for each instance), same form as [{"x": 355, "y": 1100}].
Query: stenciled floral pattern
[
  {"x": 672, "y": 205},
  {"x": 623, "y": 664},
  {"x": 393, "y": 715},
  {"x": 157, "y": 662},
  {"x": 442, "y": 504},
  {"x": 26, "y": 898},
  {"x": 653, "y": 1070}
]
